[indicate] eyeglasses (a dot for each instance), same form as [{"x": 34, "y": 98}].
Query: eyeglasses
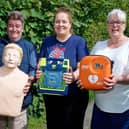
[{"x": 115, "y": 22}]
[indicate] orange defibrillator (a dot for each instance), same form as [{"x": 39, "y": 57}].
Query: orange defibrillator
[{"x": 93, "y": 69}]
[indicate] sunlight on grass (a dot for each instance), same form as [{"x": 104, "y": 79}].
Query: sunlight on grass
[
  {"x": 91, "y": 95},
  {"x": 37, "y": 123}
]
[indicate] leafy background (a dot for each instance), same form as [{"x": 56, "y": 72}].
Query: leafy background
[{"x": 89, "y": 18}]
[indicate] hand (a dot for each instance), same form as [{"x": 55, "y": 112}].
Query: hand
[
  {"x": 38, "y": 71},
  {"x": 28, "y": 85},
  {"x": 110, "y": 82},
  {"x": 38, "y": 74},
  {"x": 79, "y": 84},
  {"x": 69, "y": 77}
]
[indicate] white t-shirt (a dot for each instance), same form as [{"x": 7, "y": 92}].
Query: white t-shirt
[{"x": 115, "y": 100}]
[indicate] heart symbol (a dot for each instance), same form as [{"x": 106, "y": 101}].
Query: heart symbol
[{"x": 93, "y": 78}]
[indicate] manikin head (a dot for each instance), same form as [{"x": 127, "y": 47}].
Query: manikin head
[{"x": 12, "y": 55}]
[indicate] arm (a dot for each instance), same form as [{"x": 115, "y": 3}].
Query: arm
[
  {"x": 38, "y": 71},
  {"x": 81, "y": 51},
  {"x": 32, "y": 70},
  {"x": 42, "y": 53},
  {"x": 32, "y": 64}
]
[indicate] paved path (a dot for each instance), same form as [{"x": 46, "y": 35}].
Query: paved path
[{"x": 88, "y": 114}]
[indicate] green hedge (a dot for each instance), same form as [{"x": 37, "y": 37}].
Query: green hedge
[{"x": 89, "y": 17}]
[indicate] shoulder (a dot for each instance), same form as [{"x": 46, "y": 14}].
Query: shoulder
[
  {"x": 77, "y": 37},
  {"x": 101, "y": 43},
  {"x": 128, "y": 42},
  {"x": 22, "y": 74},
  {"x": 27, "y": 44},
  {"x": 50, "y": 38},
  {"x": 23, "y": 77},
  {"x": 3, "y": 42},
  {"x": 77, "y": 40}
]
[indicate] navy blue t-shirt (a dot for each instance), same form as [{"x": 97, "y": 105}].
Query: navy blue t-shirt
[{"x": 73, "y": 49}]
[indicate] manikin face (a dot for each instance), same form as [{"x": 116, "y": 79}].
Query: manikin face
[{"x": 11, "y": 58}]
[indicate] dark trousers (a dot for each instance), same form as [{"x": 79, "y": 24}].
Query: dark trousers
[
  {"x": 104, "y": 120},
  {"x": 65, "y": 112}
]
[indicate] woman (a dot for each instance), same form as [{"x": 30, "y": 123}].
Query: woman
[
  {"x": 65, "y": 112},
  {"x": 111, "y": 109}
]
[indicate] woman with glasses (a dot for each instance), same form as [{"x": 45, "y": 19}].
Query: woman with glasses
[{"x": 111, "y": 108}]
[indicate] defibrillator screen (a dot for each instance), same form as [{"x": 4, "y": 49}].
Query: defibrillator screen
[{"x": 97, "y": 65}]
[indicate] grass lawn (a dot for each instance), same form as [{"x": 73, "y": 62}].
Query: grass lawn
[
  {"x": 37, "y": 119},
  {"x": 37, "y": 123}
]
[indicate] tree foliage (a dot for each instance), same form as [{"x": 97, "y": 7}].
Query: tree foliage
[{"x": 89, "y": 17}]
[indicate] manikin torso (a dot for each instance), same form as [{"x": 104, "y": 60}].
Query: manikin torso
[{"x": 12, "y": 83}]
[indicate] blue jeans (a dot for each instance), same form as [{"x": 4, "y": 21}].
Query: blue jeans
[{"x": 104, "y": 120}]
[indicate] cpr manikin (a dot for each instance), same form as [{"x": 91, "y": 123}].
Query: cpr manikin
[{"x": 12, "y": 81}]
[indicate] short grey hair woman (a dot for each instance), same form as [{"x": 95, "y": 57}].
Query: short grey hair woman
[{"x": 111, "y": 108}]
